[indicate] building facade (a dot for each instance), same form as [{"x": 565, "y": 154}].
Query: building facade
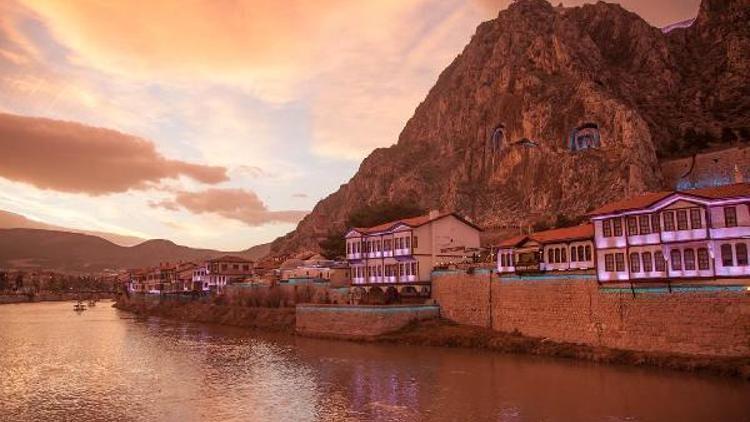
[
  {"x": 404, "y": 252},
  {"x": 697, "y": 234},
  {"x": 564, "y": 249},
  {"x": 215, "y": 274}
]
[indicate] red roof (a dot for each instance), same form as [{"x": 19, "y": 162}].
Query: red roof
[
  {"x": 637, "y": 202},
  {"x": 719, "y": 192},
  {"x": 512, "y": 241},
  {"x": 583, "y": 231},
  {"x": 230, "y": 258},
  {"x": 565, "y": 234},
  {"x": 648, "y": 199},
  {"x": 411, "y": 222}
]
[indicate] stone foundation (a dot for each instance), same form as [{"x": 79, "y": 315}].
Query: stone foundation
[
  {"x": 696, "y": 322},
  {"x": 359, "y": 321}
]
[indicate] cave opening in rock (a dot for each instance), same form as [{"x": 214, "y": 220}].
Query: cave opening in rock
[
  {"x": 497, "y": 138},
  {"x": 585, "y": 136}
]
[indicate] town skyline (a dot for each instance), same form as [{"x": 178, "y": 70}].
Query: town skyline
[{"x": 206, "y": 133}]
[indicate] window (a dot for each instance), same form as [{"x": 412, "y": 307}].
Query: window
[
  {"x": 730, "y": 217},
  {"x": 676, "y": 260},
  {"x": 741, "y": 250},
  {"x": 644, "y": 224},
  {"x": 607, "y": 228},
  {"x": 669, "y": 221},
  {"x": 620, "y": 262},
  {"x": 647, "y": 263},
  {"x": 632, "y": 226},
  {"x": 413, "y": 268},
  {"x": 617, "y": 226},
  {"x": 689, "y": 256},
  {"x": 235, "y": 266},
  {"x": 635, "y": 263},
  {"x": 550, "y": 255},
  {"x": 564, "y": 252},
  {"x": 588, "y": 252},
  {"x": 557, "y": 255},
  {"x": 655, "y": 223},
  {"x": 695, "y": 218},
  {"x": 682, "y": 221},
  {"x": 727, "y": 259},
  {"x": 573, "y": 255},
  {"x": 416, "y": 242},
  {"x": 609, "y": 262},
  {"x": 246, "y": 267},
  {"x": 502, "y": 260},
  {"x": 659, "y": 261},
  {"x": 703, "y": 263},
  {"x": 408, "y": 242}
]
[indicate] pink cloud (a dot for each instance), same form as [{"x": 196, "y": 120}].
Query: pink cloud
[
  {"x": 235, "y": 204},
  {"x": 71, "y": 157}
]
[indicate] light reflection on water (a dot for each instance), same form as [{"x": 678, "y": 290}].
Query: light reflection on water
[{"x": 108, "y": 365}]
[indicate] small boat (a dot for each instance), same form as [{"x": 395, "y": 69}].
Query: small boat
[
  {"x": 92, "y": 302},
  {"x": 79, "y": 307}
]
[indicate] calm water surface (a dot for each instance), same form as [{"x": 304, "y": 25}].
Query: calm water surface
[{"x": 108, "y": 365}]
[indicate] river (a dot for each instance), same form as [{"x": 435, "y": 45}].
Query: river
[{"x": 106, "y": 364}]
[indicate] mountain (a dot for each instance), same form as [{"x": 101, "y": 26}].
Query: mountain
[
  {"x": 9, "y": 220},
  {"x": 76, "y": 252},
  {"x": 491, "y": 139}
]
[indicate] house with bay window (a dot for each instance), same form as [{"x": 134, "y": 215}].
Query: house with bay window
[
  {"x": 696, "y": 234},
  {"x": 563, "y": 249},
  {"x": 404, "y": 252}
]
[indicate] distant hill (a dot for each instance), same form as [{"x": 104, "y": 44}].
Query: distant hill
[
  {"x": 9, "y": 220},
  {"x": 76, "y": 252}
]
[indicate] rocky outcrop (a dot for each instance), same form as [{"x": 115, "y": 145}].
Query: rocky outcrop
[{"x": 491, "y": 139}]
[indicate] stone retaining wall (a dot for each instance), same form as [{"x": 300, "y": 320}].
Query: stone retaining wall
[
  {"x": 693, "y": 322},
  {"x": 359, "y": 321}
]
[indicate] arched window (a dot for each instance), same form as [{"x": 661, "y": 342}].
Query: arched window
[
  {"x": 502, "y": 260},
  {"x": 557, "y": 255},
  {"x": 635, "y": 263},
  {"x": 588, "y": 252},
  {"x": 741, "y": 249},
  {"x": 676, "y": 260},
  {"x": 573, "y": 256},
  {"x": 703, "y": 261},
  {"x": 564, "y": 253},
  {"x": 647, "y": 263},
  {"x": 550, "y": 256},
  {"x": 659, "y": 261},
  {"x": 689, "y": 257},
  {"x": 727, "y": 259}
]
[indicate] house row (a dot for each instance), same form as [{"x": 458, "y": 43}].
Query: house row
[
  {"x": 404, "y": 252},
  {"x": 210, "y": 276},
  {"x": 695, "y": 234}
]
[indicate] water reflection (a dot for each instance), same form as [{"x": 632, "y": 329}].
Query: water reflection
[{"x": 108, "y": 365}]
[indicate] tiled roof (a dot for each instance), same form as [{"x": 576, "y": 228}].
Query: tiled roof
[
  {"x": 512, "y": 241},
  {"x": 648, "y": 199},
  {"x": 411, "y": 222},
  {"x": 633, "y": 203},
  {"x": 583, "y": 231},
  {"x": 718, "y": 192},
  {"x": 230, "y": 258}
]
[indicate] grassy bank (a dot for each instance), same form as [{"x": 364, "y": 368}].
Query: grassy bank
[
  {"x": 272, "y": 319},
  {"x": 447, "y": 334}
]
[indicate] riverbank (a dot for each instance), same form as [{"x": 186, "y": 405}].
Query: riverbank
[
  {"x": 271, "y": 319},
  {"x": 443, "y": 333},
  {"x": 50, "y": 297}
]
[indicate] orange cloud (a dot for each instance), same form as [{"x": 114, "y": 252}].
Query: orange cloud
[
  {"x": 71, "y": 157},
  {"x": 235, "y": 204}
]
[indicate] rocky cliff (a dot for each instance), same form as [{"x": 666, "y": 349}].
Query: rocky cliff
[{"x": 492, "y": 139}]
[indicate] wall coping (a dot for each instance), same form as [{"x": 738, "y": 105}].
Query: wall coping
[{"x": 306, "y": 307}]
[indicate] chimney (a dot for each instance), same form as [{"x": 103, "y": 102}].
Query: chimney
[
  {"x": 738, "y": 178},
  {"x": 434, "y": 214}
]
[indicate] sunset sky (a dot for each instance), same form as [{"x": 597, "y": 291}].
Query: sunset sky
[{"x": 215, "y": 123}]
